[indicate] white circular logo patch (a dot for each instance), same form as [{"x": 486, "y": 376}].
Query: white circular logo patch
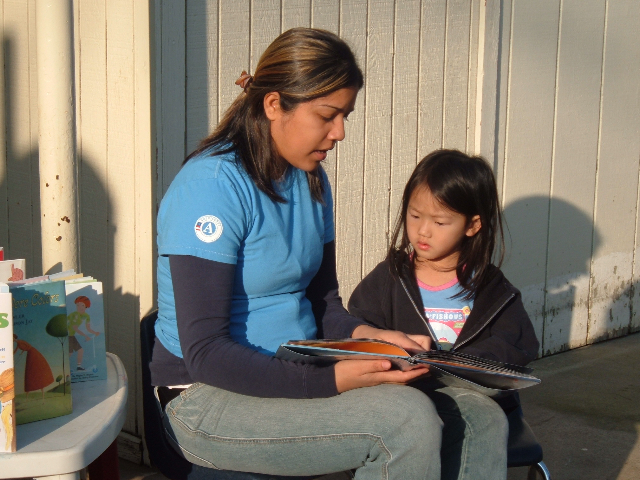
[{"x": 208, "y": 228}]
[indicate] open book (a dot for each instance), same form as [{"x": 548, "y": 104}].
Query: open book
[{"x": 454, "y": 369}]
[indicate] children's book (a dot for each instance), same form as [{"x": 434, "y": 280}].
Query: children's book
[
  {"x": 12, "y": 270},
  {"x": 85, "y": 316},
  {"x": 7, "y": 391},
  {"x": 454, "y": 369},
  {"x": 41, "y": 351}
]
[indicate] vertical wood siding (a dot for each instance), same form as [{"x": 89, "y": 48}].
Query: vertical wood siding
[{"x": 568, "y": 155}]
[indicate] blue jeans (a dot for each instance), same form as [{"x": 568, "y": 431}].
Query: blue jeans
[{"x": 384, "y": 432}]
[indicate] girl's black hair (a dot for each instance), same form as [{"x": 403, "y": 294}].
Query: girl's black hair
[
  {"x": 301, "y": 64},
  {"x": 463, "y": 184}
]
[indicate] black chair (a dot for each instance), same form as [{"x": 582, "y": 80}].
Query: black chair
[
  {"x": 523, "y": 449},
  {"x": 161, "y": 453}
]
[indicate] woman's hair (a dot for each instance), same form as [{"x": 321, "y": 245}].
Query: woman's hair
[
  {"x": 302, "y": 64},
  {"x": 463, "y": 184}
]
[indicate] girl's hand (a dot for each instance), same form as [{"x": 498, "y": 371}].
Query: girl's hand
[
  {"x": 352, "y": 374},
  {"x": 411, "y": 343}
]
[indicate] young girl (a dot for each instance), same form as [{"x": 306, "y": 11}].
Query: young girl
[{"x": 438, "y": 279}]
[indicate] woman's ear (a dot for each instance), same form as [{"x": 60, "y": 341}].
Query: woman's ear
[
  {"x": 474, "y": 226},
  {"x": 271, "y": 103}
]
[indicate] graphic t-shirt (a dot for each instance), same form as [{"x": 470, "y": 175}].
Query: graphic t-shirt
[{"x": 446, "y": 314}]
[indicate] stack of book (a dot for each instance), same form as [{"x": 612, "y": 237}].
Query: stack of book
[{"x": 51, "y": 335}]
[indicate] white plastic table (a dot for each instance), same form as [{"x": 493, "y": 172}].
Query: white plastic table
[{"x": 58, "y": 448}]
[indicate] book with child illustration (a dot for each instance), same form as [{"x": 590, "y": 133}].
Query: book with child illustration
[
  {"x": 40, "y": 351},
  {"x": 445, "y": 367},
  {"x": 85, "y": 316},
  {"x": 7, "y": 407}
]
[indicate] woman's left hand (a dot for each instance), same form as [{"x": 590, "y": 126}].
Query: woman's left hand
[{"x": 411, "y": 343}]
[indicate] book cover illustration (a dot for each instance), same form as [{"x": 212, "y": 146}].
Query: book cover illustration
[
  {"x": 454, "y": 369},
  {"x": 41, "y": 351},
  {"x": 7, "y": 391},
  {"x": 85, "y": 317},
  {"x": 12, "y": 270}
]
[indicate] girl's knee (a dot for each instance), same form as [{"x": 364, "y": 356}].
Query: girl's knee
[{"x": 413, "y": 410}]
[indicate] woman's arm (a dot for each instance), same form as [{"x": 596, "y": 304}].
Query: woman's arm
[
  {"x": 332, "y": 318},
  {"x": 203, "y": 291}
]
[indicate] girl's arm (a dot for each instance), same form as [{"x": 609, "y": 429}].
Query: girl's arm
[
  {"x": 512, "y": 337},
  {"x": 203, "y": 291}
]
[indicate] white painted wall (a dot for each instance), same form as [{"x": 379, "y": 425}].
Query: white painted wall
[
  {"x": 568, "y": 149},
  {"x": 548, "y": 91}
]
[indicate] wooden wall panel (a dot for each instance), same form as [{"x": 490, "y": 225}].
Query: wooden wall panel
[
  {"x": 456, "y": 74},
  {"x": 295, "y": 13},
  {"x": 348, "y": 191},
  {"x": 617, "y": 175},
  {"x": 326, "y": 15},
  {"x": 378, "y": 73},
  {"x": 431, "y": 74},
  {"x": 266, "y": 19},
  {"x": 201, "y": 57},
  {"x": 571, "y": 233},
  {"x": 234, "y": 50},
  {"x": 170, "y": 82},
  {"x": 121, "y": 297},
  {"x": 22, "y": 184},
  {"x": 529, "y": 139},
  {"x": 92, "y": 138},
  {"x": 404, "y": 119}
]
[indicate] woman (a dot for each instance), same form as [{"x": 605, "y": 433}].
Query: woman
[{"x": 247, "y": 262}]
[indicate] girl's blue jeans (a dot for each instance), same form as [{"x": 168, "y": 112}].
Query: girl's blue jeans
[{"x": 384, "y": 432}]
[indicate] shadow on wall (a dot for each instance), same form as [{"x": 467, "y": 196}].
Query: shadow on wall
[
  {"x": 97, "y": 230},
  {"x": 550, "y": 245}
]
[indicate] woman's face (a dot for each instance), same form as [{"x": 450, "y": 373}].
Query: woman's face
[{"x": 304, "y": 135}]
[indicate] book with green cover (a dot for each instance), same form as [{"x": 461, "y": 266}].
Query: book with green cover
[{"x": 41, "y": 351}]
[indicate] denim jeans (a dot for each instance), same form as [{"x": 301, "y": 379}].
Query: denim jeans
[{"x": 384, "y": 432}]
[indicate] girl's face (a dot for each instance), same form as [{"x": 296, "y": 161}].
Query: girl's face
[
  {"x": 304, "y": 135},
  {"x": 435, "y": 232},
  {"x": 81, "y": 307}
]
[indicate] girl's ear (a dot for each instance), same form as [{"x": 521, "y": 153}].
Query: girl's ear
[
  {"x": 474, "y": 226},
  {"x": 271, "y": 103}
]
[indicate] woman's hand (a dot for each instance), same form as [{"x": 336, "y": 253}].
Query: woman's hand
[
  {"x": 352, "y": 374},
  {"x": 411, "y": 343}
]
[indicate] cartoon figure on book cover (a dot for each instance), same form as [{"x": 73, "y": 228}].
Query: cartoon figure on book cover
[
  {"x": 6, "y": 411},
  {"x": 74, "y": 322}
]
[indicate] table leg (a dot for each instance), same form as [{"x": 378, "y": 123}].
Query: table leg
[{"x": 106, "y": 466}]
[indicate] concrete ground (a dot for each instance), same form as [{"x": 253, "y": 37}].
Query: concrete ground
[{"x": 585, "y": 413}]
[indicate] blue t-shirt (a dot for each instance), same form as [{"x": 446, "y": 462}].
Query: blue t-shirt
[
  {"x": 447, "y": 315},
  {"x": 213, "y": 210}
]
